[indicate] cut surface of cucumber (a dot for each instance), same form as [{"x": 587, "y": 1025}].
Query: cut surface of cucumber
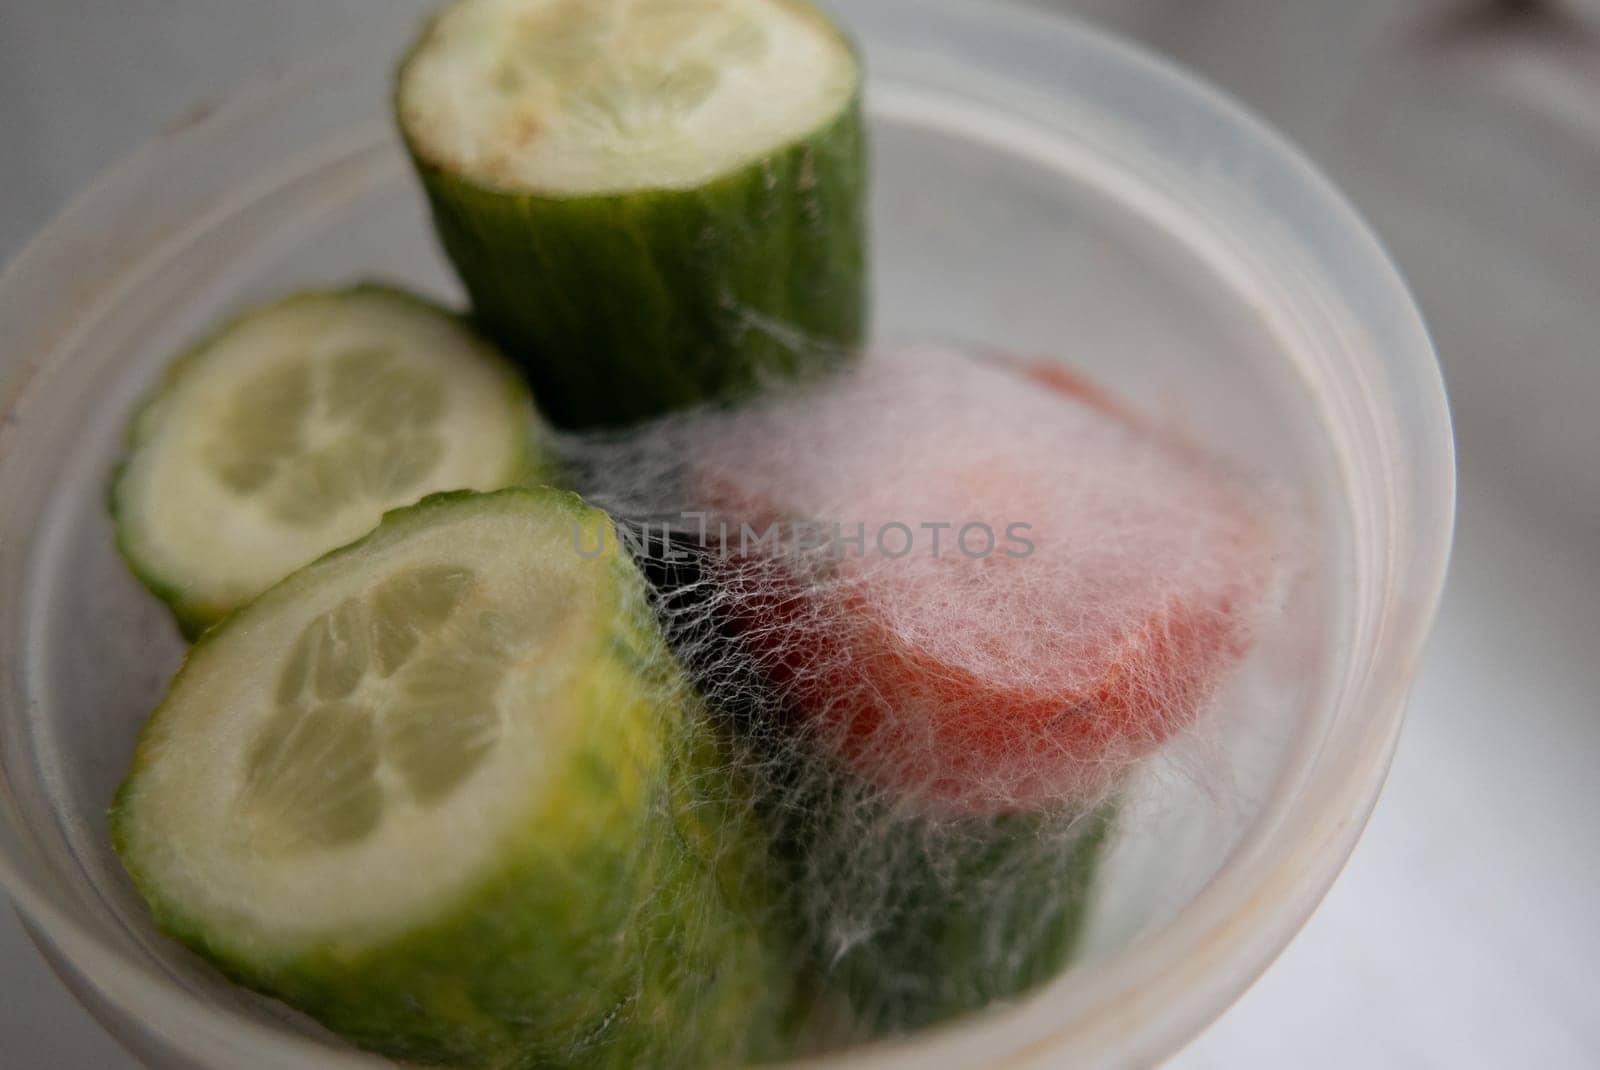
[
  {"x": 446, "y": 791},
  {"x": 291, "y": 430},
  {"x": 653, "y": 203},
  {"x": 585, "y": 97}
]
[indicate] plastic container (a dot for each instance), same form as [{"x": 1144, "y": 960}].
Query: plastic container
[{"x": 1039, "y": 189}]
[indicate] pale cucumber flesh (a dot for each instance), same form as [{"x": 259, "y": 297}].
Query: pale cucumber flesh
[
  {"x": 594, "y": 97},
  {"x": 314, "y": 774},
  {"x": 293, "y": 428},
  {"x": 311, "y": 439}
]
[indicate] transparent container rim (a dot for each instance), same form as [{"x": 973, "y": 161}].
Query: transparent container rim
[{"x": 1137, "y": 1006}]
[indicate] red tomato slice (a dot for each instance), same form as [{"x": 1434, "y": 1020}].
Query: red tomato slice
[{"x": 921, "y": 678}]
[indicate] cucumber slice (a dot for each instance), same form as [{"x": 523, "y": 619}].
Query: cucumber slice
[
  {"x": 293, "y": 428},
  {"x": 652, "y": 202},
  {"x": 446, "y": 791}
]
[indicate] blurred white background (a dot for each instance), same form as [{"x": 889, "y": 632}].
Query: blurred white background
[{"x": 1465, "y": 932}]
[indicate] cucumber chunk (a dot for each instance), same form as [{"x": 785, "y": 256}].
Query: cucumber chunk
[
  {"x": 936, "y": 914},
  {"x": 293, "y": 428},
  {"x": 446, "y": 791},
  {"x": 653, "y": 203}
]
